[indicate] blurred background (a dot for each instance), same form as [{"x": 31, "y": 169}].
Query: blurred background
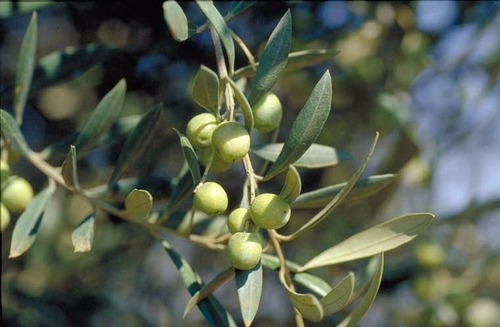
[{"x": 425, "y": 74}]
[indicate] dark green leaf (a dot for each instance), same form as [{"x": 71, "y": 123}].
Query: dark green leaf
[
  {"x": 365, "y": 304},
  {"x": 102, "y": 118},
  {"x": 293, "y": 185},
  {"x": 296, "y": 60},
  {"x": 69, "y": 170},
  {"x": 249, "y": 287},
  {"x": 273, "y": 59},
  {"x": 219, "y": 24},
  {"x": 83, "y": 235},
  {"x": 362, "y": 189},
  {"x": 137, "y": 143},
  {"x": 27, "y": 225},
  {"x": 176, "y": 20},
  {"x": 213, "y": 311},
  {"x": 339, "y": 296},
  {"x": 25, "y": 68},
  {"x": 237, "y": 7},
  {"x": 244, "y": 105},
  {"x": 12, "y": 134},
  {"x": 182, "y": 189},
  {"x": 206, "y": 90},
  {"x": 381, "y": 238},
  {"x": 190, "y": 156},
  {"x": 306, "y": 127}
]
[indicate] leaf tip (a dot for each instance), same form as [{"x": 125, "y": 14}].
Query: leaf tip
[{"x": 248, "y": 323}]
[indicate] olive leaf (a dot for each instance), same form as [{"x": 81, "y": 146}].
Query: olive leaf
[
  {"x": 339, "y": 296},
  {"x": 220, "y": 26},
  {"x": 293, "y": 185},
  {"x": 83, "y": 235},
  {"x": 26, "y": 228},
  {"x": 25, "y": 68},
  {"x": 249, "y": 287},
  {"x": 138, "y": 204},
  {"x": 69, "y": 169},
  {"x": 381, "y": 238},
  {"x": 273, "y": 59},
  {"x": 244, "y": 105},
  {"x": 365, "y": 304},
  {"x": 176, "y": 20},
  {"x": 237, "y": 7},
  {"x": 12, "y": 134},
  {"x": 190, "y": 156},
  {"x": 306, "y": 127},
  {"x": 307, "y": 304},
  {"x": 363, "y": 188},
  {"x": 206, "y": 90}
]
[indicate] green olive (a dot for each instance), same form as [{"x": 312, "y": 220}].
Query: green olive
[
  {"x": 269, "y": 211},
  {"x": 218, "y": 165},
  {"x": 211, "y": 198},
  {"x": 5, "y": 171},
  {"x": 429, "y": 255},
  {"x": 4, "y": 217},
  {"x": 267, "y": 113},
  {"x": 237, "y": 219},
  {"x": 199, "y": 130},
  {"x": 244, "y": 250},
  {"x": 231, "y": 141},
  {"x": 17, "y": 194}
]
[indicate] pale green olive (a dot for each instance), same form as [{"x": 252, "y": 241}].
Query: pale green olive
[
  {"x": 244, "y": 250},
  {"x": 218, "y": 165},
  {"x": 231, "y": 141},
  {"x": 267, "y": 113},
  {"x": 4, "y": 217},
  {"x": 237, "y": 219},
  {"x": 16, "y": 194},
  {"x": 269, "y": 211},
  {"x": 429, "y": 255},
  {"x": 199, "y": 130},
  {"x": 5, "y": 171},
  {"x": 211, "y": 198}
]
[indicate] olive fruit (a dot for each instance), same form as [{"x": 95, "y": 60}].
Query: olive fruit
[
  {"x": 199, "y": 130},
  {"x": 429, "y": 255},
  {"x": 211, "y": 198},
  {"x": 4, "y": 170},
  {"x": 244, "y": 250},
  {"x": 231, "y": 141},
  {"x": 267, "y": 113},
  {"x": 269, "y": 211},
  {"x": 218, "y": 165},
  {"x": 16, "y": 194},
  {"x": 237, "y": 219},
  {"x": 4, "y": 217}
]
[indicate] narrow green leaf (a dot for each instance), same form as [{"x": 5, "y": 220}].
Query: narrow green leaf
[
  {"x": 237, "y": 7},
  {"x": 273, "y": 59},
  {"x": 181, "y": 190},
  {"x": 244, "y": 105},
  {"x": 138, "y": 204},
  {"x": 102, "y": 118},
  {"x": 137, "y": 143},
  {"x": 381, "y": 238},
  {"x": 362, "y": 189},
  {"x": 306, "y": 127},
  {"x": 249, "y": 287},
  {"x": 212, "y": 310},
  {"x": 27, "y": 225},
  {"x": 339, "y": 296},
  {"x": 293, "y": 185},
  {"x": 83, "y": 235},
  {"x": 296, "y": 60},
  {"x": 12, "y": 134},
  {"x": 358, "y": 313},
  {"x": 176, "y": 20},
  {"x": 190, "y": 156},
  {"x": 219, "y": 24},
  {"x": 307, "y": 304},
  {"x": 25, "y": 68},
  {"x": 206, "y": 90},
  {"x": 69, "y": 170}
]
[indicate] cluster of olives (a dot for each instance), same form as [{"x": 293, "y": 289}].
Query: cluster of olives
[
  {"x": 230, "y": 142},
  {"x": 16, "y": 194}
]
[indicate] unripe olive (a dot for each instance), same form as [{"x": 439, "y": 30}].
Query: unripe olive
[
  {"x": 218, "y": 165},
  {"x": 237, "y": 219},
  {"x": 267, "y": 113},
  {"x": 17, "y": 194},
  {"x": 4, "y": 217},
  {"x": 211, "y": 198},
  {"x": 429, "y": 255},
  {"x": 199, "y": 130},
  {"x": 483, "y": 312},
  {"x": 244, "y": 250},
  {"x": 4, "y": 170},
  {"x": 269, "y": 211},
  {"x": 231, "y": 141}
]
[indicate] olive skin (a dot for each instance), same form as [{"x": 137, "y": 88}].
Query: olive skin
[
  {"x": 5, "y": 171},
  {"x": 4, "y": 217},
  {"x": 218, "y": 165},
  {"x": 16, "y": 194},
  {"x": 211, "y": 198},
  {"x": 269, "y": 211},
  {"x": 244, "y": 250},
  {"x": 429, "y": 255},
  {"x": 199, "y": 130},
  {"x": 231, "y": 141},
  {"x": 267, "y": 113},
  {"x": 236, "y": 221}
]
